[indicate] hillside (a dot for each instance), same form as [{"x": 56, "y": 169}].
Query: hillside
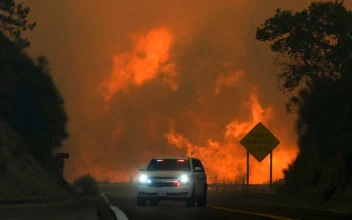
[
  {"x": 314, "y": 51},
  {"x": 22, "y": 178}
]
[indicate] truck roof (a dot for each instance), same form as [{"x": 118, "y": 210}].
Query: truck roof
[{"x": 175, "y": 157}]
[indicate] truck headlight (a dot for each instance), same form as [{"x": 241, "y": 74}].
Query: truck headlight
[
  {"x": 184, "y": 179},
  {"x": 143, "y": 178}
]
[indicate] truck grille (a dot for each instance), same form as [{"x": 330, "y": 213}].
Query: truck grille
[
  {"x": 163, "y": 184},
  {"x": 163, "y": 177},
  {"x": 147, "y": 194},
  {"x": 177, "y": 194}
]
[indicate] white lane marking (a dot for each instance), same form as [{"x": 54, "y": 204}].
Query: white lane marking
[
  {"x": 105, "y": 198},
  {"x": 120, "y": 215}
]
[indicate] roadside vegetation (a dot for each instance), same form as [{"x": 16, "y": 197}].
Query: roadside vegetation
[
  {"x": 29, "y": 100},
  {"x": 87, "y": 184},
  {"x": 313, "y": 50}
]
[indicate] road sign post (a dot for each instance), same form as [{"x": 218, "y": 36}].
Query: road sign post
[
  {"x": 260, "y": 142},
  {"x": 247, "y": 169},
  {"x": 271, "y": 171}
]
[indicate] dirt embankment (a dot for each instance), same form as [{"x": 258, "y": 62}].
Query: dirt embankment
[
  {"x": 22, "y": 178},
  {"x": 327, "y": 195}
]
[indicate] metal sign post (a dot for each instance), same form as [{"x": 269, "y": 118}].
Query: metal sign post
[
  {"x": 247, "y": 169},
  {"x": 260, "y": 142},
  {"x": 271, "y": 171}
]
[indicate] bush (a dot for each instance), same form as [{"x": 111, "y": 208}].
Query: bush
[
  {"x": 88, "y": 184},
  {"x": 323, "y": 72},
  {"x": 29, "y": 99}
]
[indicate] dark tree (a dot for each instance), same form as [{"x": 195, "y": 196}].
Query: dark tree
[
  {"x": 29, "y": 99},
  {"x": 14, "y": 21},
  {"x": 312, "y": 44},
  {"x": 314, "y": 50}
]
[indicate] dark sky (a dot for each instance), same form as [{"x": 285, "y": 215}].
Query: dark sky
[{"x": 150, "y": 78}]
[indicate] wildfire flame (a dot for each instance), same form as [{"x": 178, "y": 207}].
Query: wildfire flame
[
  {"x": 226, "y": 161},
  {"x": 227, "y": 80},
  {"x": 148, "y": 58}
]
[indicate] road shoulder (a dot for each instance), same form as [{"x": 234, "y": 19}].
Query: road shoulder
[{"x": 83, "y": 208}]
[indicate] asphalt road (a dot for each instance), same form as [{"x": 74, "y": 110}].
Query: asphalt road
[
  {"x": 221, "y": 206},
  {"x": 82, "y": 209}
]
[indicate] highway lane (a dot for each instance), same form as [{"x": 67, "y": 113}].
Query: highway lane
[
  {"x": 54, "y": 211},
  {"x": 221, "y": 206},
  {"x": 172, "y": 211},
  {"x": 71, "y": 209},
  {"x": 265, "y": 204}
]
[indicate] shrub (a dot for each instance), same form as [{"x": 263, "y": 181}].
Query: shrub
[{"x": 88, "y": 184}]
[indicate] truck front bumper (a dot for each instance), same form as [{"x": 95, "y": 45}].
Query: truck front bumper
[{"x": 164, "y": 193}]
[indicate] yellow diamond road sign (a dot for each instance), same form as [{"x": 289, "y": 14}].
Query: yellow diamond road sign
[{"x": 260, "y": 142}]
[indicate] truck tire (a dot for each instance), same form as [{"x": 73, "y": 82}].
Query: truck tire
[
  {"x": 192, "y": 200},
  {"x": 154, "y": 202},
  {"x": 203, "y": 201},
  {"x": 141, "y": 202}
]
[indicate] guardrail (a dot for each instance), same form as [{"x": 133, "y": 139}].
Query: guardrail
[
  {"x": 237, "y": 187},
  {"x": 224, "y": 187},
  {"x": 213, "y": 187}
]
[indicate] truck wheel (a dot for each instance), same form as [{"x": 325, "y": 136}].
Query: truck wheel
[
  {"x": 203, "y": 201},
  {"x": 141, "y": 202},
  {"x": 154, "y": 202},
  {"x": 192, "y": 200}
]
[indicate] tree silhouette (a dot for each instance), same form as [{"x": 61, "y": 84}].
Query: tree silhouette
[
  {"x": 29, "y": 99},
  {"x": 312, "y": 44},
  {"x": 314, "y": 50},
  {"x": 14, "y": 21}
]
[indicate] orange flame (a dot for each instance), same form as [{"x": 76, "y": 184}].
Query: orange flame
[
  {"x": 226, "y": 162},
  {"x": 227, "y": 80},
  {"x": 100, "y": 171},
  {"x": 149, "y": 57}
]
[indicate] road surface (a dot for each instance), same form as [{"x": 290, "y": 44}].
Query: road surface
[
  {"x": 221, "y": 206},
  {"x": 83, "y": 209}
]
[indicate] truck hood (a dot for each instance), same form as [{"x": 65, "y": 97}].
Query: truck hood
[{"x": 165, "y": 173}]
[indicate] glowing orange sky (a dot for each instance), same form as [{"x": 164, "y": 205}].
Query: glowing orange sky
[
  {"x": 170, "y": 77},
  {"x": 223, "y": 160},
  {"x": 147, "y": 59}
]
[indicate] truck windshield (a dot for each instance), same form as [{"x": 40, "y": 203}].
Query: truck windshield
[{"x": 169, "y": 164}]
